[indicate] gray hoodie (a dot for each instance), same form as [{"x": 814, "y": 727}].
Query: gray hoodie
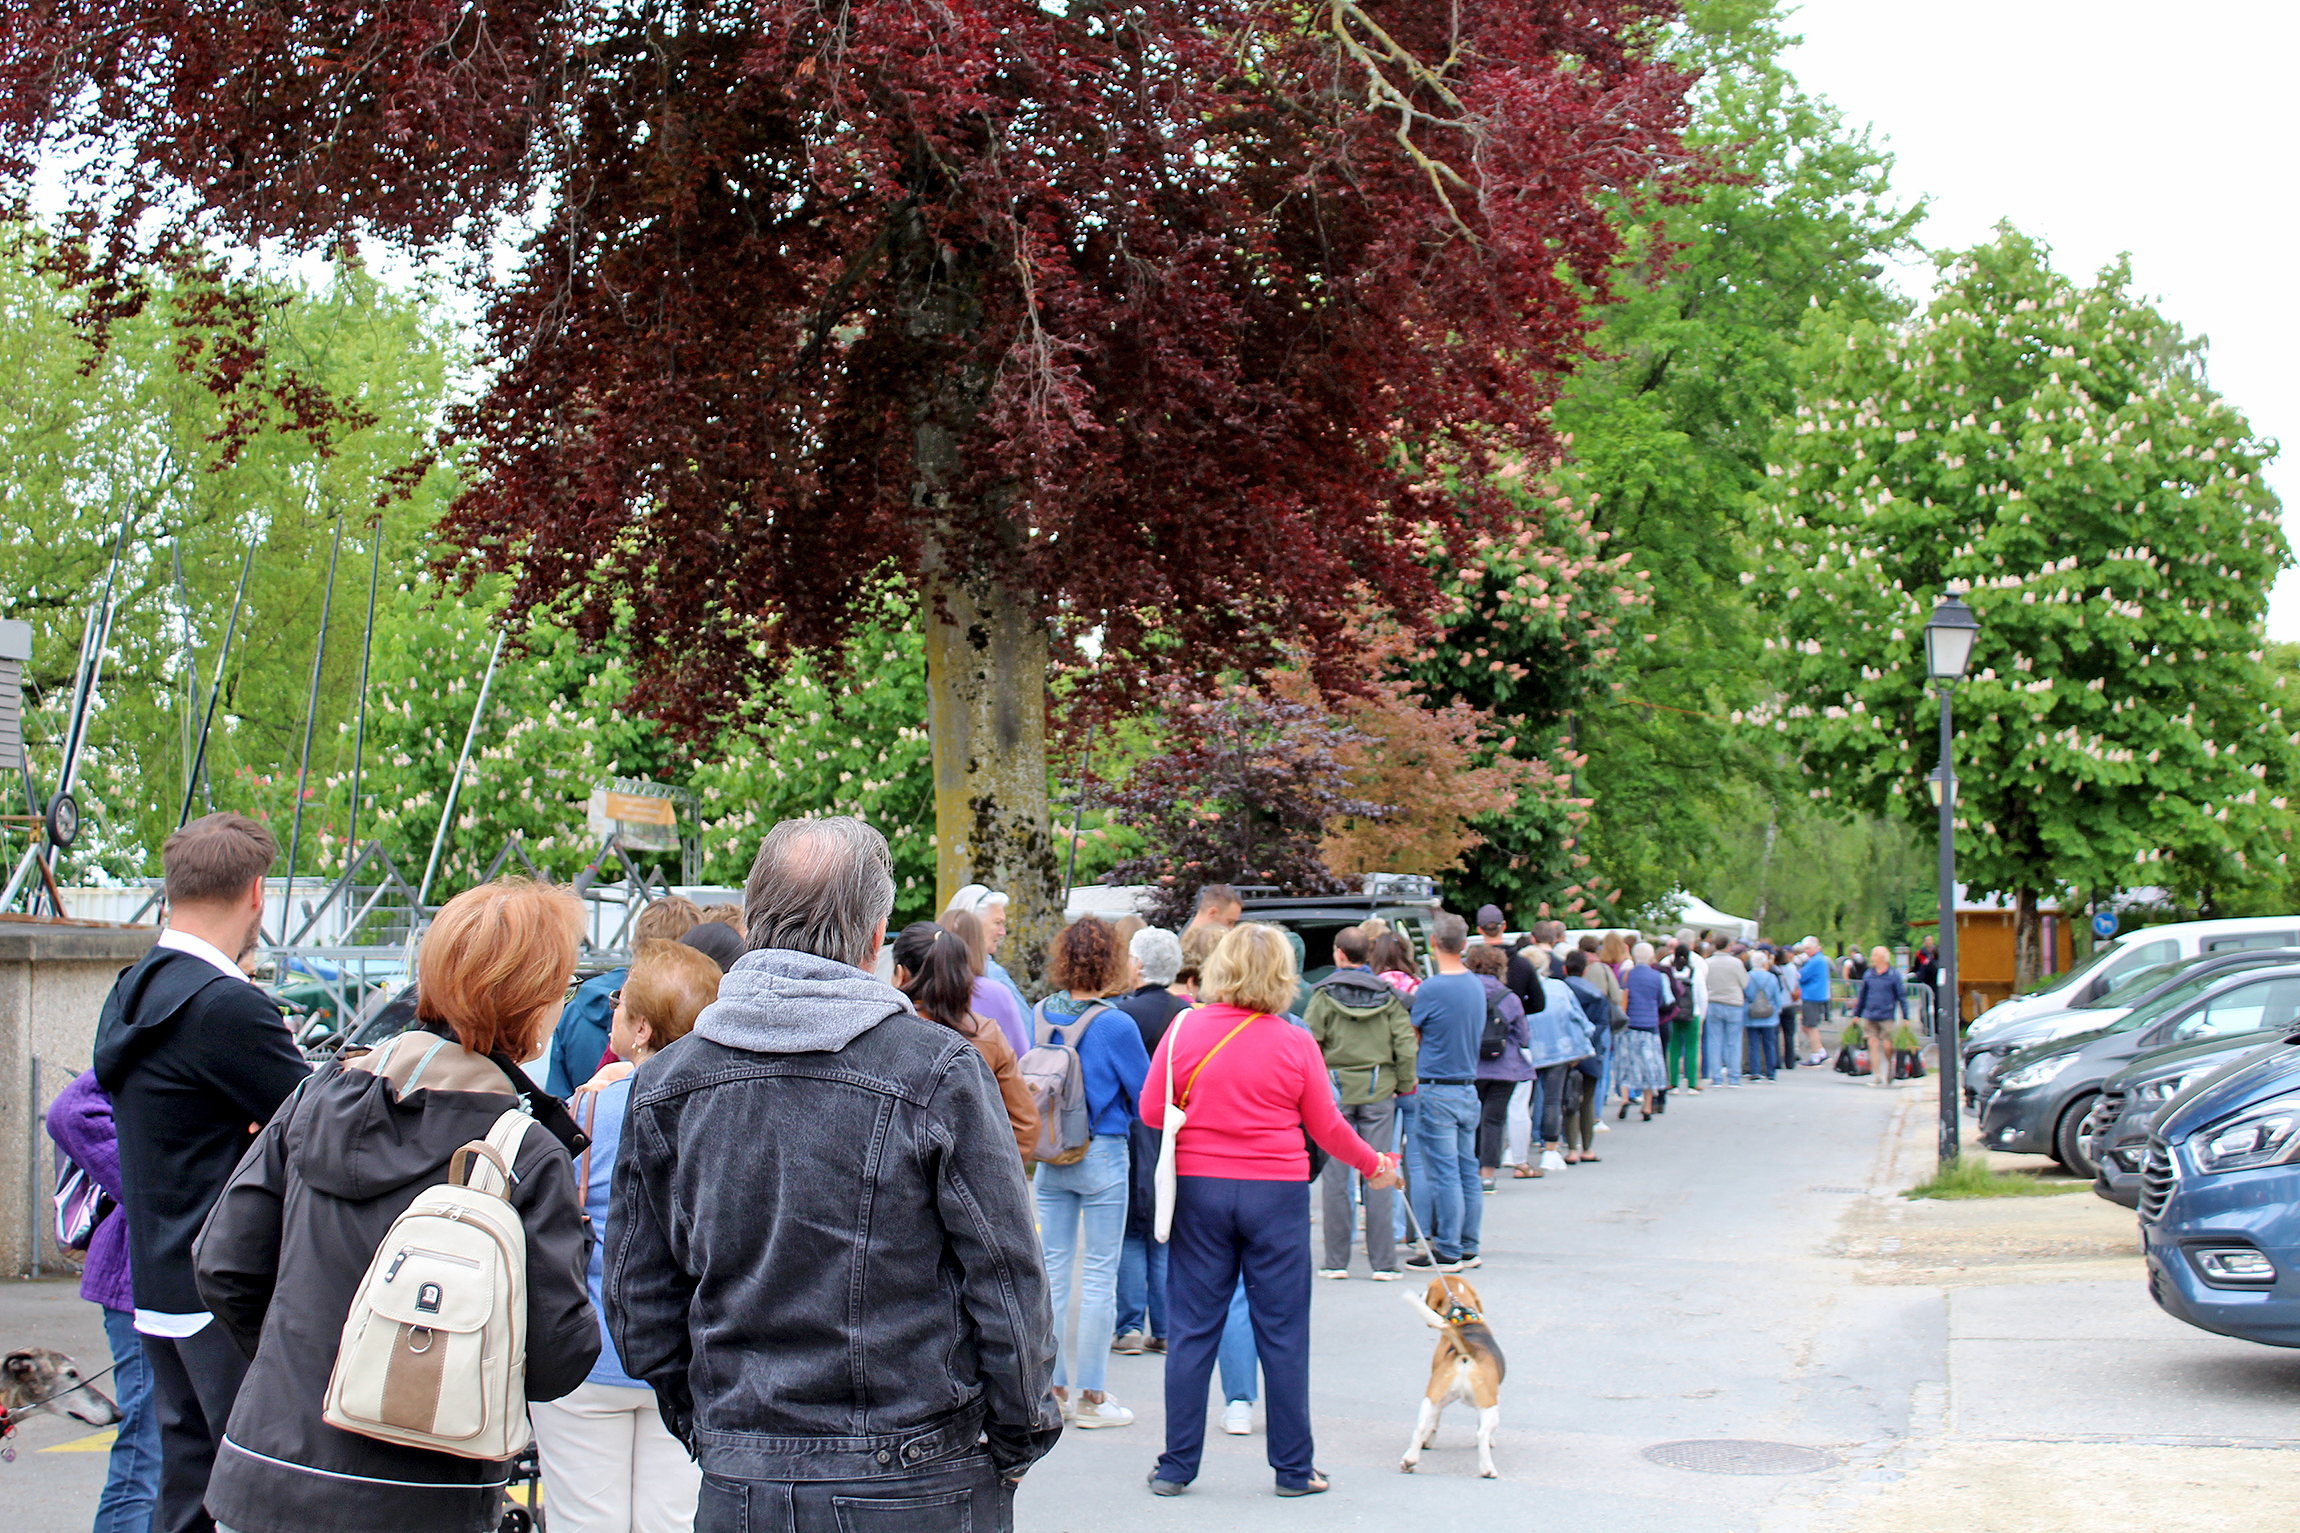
[{"x": 779, "y": 1001}]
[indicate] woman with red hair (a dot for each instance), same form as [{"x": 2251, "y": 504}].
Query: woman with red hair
[{"x": 289, "y": 1243}]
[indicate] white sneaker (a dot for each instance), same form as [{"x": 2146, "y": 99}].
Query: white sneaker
[
  {"x": 1238, "y": 1418},
  {"x": 1108, "y": 1413},
  {"x": 1552, "y": 1161},
  {"x": 1337, "y": 1274},
  {"x": 1387, "y": 1274},
  {"x": 1604, "y": 1127}
]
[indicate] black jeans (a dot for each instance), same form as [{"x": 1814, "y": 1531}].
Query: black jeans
[
  {"x": 1492, "y": 1121},
  {"x": 194, "y": 1381},
  {"x": 1549, "y": 1091},
  {"x": 960, "y": 1495}
]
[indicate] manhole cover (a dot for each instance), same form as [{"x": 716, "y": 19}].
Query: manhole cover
[{"x": 1729, "y": 1456}]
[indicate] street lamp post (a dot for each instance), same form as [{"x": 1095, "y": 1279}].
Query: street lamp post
[{"x": 1949, "y": 637}]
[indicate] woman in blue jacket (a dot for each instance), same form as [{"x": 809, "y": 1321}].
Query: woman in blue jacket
[
  {"x": 1082, "y": 1206},
  {"x": 1767, "y": 1000}
]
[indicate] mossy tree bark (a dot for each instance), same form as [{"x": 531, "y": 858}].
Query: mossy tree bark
[{"x": 986, "y": 713}]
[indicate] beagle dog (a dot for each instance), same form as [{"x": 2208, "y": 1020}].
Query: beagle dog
[{"x": 1468, "y": 1365}]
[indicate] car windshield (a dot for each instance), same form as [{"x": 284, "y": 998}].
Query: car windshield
[
  {"x": 2172, "y": 1000},
  {"x": 2132, "y": 985}
]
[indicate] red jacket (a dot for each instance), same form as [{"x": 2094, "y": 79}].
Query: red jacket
[{"x": 1245, "y": 1112}]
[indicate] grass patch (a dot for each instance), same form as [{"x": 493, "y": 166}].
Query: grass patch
[{"x": 1970, "y": 1176}]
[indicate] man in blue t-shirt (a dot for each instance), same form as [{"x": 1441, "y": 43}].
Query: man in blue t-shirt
[
  {"x": 1813, "y": 998},
  {"x": 1449, "y": 1013}
]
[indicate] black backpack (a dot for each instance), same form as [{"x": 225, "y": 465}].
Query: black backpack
[{"x": 1494, "y": 1041}]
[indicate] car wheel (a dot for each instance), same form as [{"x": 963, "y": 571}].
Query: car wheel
[{"x": 2068, "y": 1139}]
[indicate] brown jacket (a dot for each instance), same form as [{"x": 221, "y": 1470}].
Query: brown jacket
[{"x": 1021, "y": 1111}]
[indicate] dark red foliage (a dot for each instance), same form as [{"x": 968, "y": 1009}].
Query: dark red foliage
[
  {"x": 1243, "y": 796},
  {"x": 1144, "y": 308}
]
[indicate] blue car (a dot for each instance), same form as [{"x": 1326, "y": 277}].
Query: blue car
[{"x": 2220, "y": 1201}]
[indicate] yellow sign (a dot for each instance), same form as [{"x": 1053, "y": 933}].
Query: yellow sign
[{"x": 640, "y": 809}]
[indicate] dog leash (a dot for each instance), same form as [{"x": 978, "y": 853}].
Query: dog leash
[
  {"x": 1458, "y": 1311},
  {"x": 15, "y": 1413}
]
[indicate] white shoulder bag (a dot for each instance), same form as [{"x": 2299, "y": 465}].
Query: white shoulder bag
[{"x": 1170, "y": 1129}]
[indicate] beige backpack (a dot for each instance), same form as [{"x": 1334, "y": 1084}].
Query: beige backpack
[{"x": 434, "y": 1351}]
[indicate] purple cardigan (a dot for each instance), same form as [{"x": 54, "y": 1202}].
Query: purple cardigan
[{"x": 80, "y": 1121}]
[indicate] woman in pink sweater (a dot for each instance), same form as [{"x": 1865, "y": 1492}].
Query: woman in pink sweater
[{"x": 1248, "y": 1082}]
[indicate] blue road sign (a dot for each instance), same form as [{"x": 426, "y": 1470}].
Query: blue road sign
[{"x": 2104, "y": 923}]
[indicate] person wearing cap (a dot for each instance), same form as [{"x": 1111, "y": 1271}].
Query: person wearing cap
[
  {"x": 1522, "y": 979},
  {"x": 989, "y": 907}
]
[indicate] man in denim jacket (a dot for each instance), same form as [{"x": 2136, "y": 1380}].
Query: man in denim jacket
[{"x": 820, "y": 1251}]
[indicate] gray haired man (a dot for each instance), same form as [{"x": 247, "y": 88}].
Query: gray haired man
[{"x": 822, "y": 1253}]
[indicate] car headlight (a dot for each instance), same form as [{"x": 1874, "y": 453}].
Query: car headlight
[
  {"x": 2037, "y": 1074},
  {"x": 2262, "y": 1135},
  {"x": 2160, "y": 1091}
]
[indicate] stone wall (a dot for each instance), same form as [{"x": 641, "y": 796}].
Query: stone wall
[{"x": 54, "y": 976}]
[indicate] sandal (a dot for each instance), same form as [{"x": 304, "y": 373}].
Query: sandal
[
  {"x": 1314, "y": 1485},
  {"x": 1573, "y": 1157},
  {"x": 1526, "y": 1173},
  {"x": 1588, "y": 1159}
]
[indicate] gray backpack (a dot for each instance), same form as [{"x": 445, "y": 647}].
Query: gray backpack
[{"x": 1057, "y": 1081}]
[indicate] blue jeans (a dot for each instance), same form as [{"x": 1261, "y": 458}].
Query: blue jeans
[
  {"x": 1224, "y": 1230},
  {"x": 1142, "y": 1286},
  {"x": 955, "y": 1495},
  {"x": 1764, "y": 1036},
  {"x": 133, "y": 1479},
  {"x": 1090, "y": 1195},
  {"x": 1236, "y": 1355},
  {"x": 1445, "y": 1190},
  {"x": 1723, "y": 1039}
]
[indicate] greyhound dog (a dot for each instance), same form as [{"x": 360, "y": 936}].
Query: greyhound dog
[
  {"x": 34, "y": 1379},
  {"x": 1468, "y": 1365}
]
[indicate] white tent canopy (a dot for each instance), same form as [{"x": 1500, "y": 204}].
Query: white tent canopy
[{"x": 1703, "y": 916}]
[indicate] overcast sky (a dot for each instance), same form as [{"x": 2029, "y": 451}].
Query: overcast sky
[{"x": 2100, "y": 127}]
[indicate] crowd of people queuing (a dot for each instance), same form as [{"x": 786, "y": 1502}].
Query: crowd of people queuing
[{"x": 804, "y": 1204}]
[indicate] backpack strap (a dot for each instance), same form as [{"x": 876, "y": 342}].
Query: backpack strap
[
  {"x": 492, "y": 1159},
  {"x": 1048, "y": 1027}
]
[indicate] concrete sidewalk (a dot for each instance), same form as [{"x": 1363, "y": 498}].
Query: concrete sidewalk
[{"x": 59, "y": 1468}]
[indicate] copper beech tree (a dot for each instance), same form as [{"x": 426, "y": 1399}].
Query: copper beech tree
[{"x": 1153, "y": 321}]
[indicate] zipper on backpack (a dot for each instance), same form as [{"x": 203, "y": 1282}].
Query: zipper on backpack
[{"x": 404, "y": 1252}]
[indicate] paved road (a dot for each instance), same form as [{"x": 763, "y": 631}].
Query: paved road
[
  {"x": 1724, "y": 1273},
  {"x": 1679, "y": 1289}
]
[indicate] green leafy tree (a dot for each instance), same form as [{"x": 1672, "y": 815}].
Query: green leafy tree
[
  {"x": 2054, "y": 451},
  {"x": 845, "y": 739},
  {"x": 129, "y": 447},
  {"x": 1667, "y": 426}
]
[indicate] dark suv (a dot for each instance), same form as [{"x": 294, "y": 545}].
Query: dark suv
[
  {"x": 2130, "y": 1102},
  {"x": 1403, "y": 899},
  {"x": 2037, "y": 1101},
  {"x": 2220, "y": 1203}
]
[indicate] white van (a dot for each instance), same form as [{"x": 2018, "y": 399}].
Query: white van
[{"x": 2136, "y": 950}]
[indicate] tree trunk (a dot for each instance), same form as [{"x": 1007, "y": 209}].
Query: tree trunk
[
  {"x": 2028, "y": 939},
  {"x": 986, "y": 643},
  {"x": 986, "y": 715}
]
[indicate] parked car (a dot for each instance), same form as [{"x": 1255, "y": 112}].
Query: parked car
[
  {"x": 2220, "y": 1203},
  {"x": 2120, "y": 956},
  {"x": 2130, "y": 1102},
  {"x": 2158, "y": 986},
  {"x": 2038, "y": 1100}
]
